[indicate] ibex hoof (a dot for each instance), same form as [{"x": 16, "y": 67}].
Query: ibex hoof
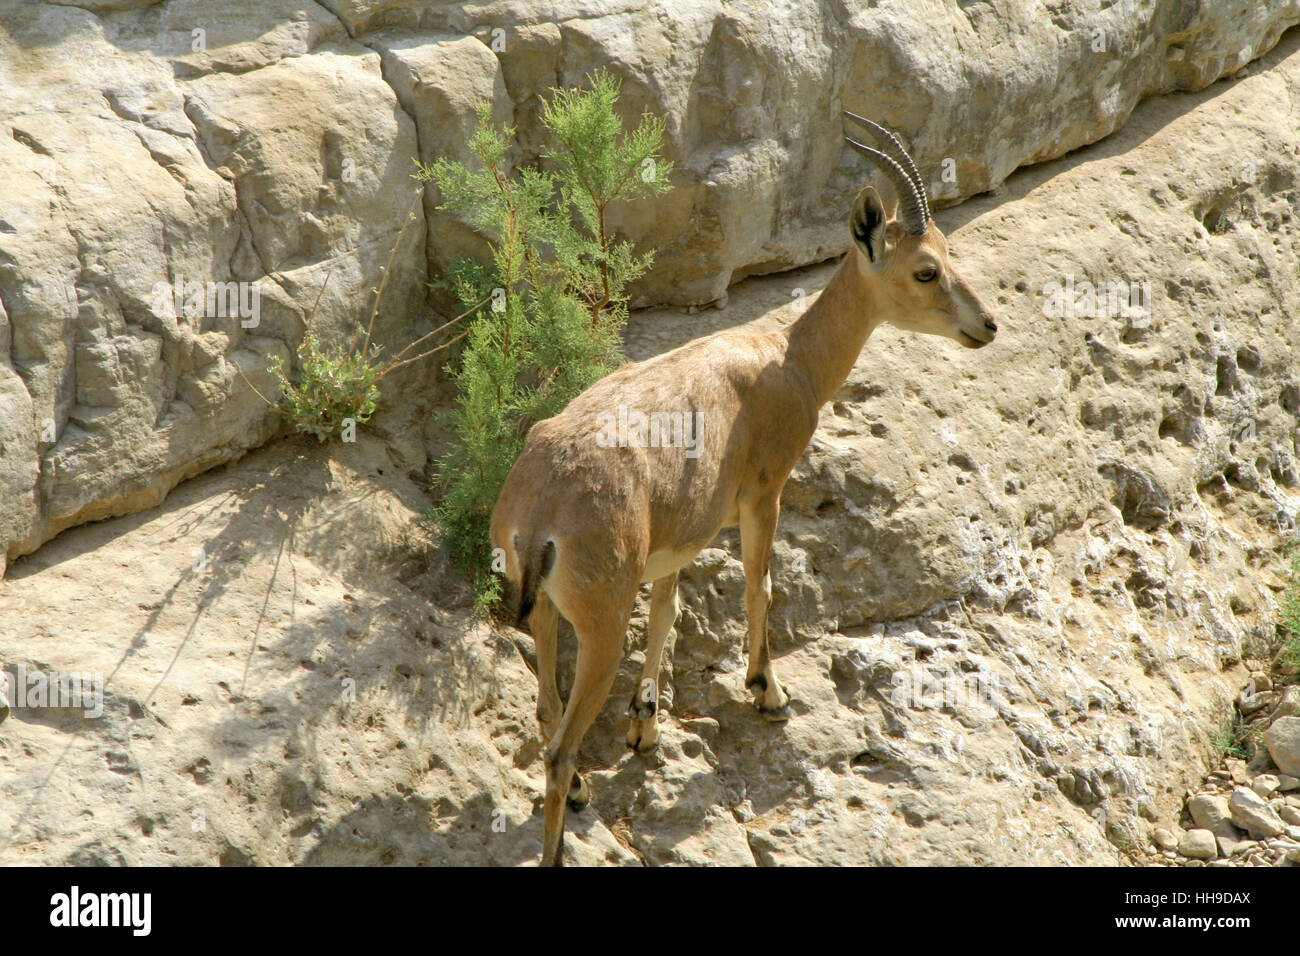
[
  {"x": 774, "y": 704},
  {"x": 579, "y": 794},
  {"x": 643, "y": 736},
  {"x": 778, "y": 716}
]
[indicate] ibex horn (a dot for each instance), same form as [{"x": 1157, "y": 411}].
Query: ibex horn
[{"x": 899, "y": 169}]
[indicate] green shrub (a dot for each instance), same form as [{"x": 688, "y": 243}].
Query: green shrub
[
  {"x": 334, "y": 385},
  {"x": 1230, "y": 740},
  {"x": 338, "y": 384},
  {"x": 549, "y": 305}
]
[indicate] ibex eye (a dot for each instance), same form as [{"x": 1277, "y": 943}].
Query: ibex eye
[{"x": 925, "y": 275}]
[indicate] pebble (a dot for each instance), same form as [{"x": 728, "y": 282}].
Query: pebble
[
  {"x": 1289, "y": 704},
  {"x": 1252, "y": 814},
  {"x": 1228, "y": 846},
  {"x": 1198, "y": 845},
  {"x": 1210, "y": 812},
  {"x": 1264, "y": 785},
  {"x": 1164, "y": 839}
]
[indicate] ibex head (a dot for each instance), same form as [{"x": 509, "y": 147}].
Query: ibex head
[{"x": 906, "y": 258}]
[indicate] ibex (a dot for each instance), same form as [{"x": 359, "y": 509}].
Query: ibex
[{"x": 584, "y": 520}]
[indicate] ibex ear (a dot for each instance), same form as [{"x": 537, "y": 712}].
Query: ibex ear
[{"x": 867, "y": 223}]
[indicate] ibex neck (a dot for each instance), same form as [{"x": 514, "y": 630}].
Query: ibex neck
[{"x": 825, "y": 340}]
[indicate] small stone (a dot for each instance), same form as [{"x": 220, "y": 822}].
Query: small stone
[
  {"x": 1198, "y": 845},
  {"x": 1228, "y": 846},
  {"x": 1283, "y": 742},
  {"x": 1285, "y": 782},
  {"x": 1252, "y": 814},
  {"x": 1288, "y": 704},
  {"x": 1264, "y": 785},
  {"x": 1211, "y": 812},
  {"x": 1164, "y": 839},
  {"x": 1237, "y": 771}
]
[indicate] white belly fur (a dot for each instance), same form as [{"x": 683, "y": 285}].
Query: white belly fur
[{"x": 666, "y": 562}]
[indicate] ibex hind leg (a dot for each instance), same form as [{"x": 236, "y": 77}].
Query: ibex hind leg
[
  {"x": 543, "y": 623},
  {"x": 643, "y": 732},
  {"x": 600, "y": 648}
]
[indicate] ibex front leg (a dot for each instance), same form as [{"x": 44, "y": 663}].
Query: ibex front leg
[
  {"x": 643, "y": 734},
  {"x": 757, "y": 529}
]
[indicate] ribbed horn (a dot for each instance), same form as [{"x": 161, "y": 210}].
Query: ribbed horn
[
  {"x": 894, "y": 150},
  {"x": 909, "y": 203}
]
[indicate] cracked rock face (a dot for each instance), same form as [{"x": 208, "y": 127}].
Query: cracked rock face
[
  {"x": 752, "y": 93},
  {"x": 250, "y": 172}
]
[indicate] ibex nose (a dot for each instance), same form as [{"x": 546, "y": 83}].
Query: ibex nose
[{"x": 991, "y": 326}]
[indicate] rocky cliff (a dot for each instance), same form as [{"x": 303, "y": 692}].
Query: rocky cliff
[{"x": 1017, "y": 589}]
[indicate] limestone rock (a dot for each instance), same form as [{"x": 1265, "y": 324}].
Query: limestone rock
[
  {"x": 752, "y": 96},
  {"x": 1211, "y": 812},
  {"x": 259, "y": 167},
  {"x": 1288, "y": 704},
  {"x": 1283, "y": 742},
  {"x": 1198, "y": 845},
  {"x": 1253, "y": 815},
  {"x": 1233, "y": 846},
  {"x": 1265, "y": 785}
]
